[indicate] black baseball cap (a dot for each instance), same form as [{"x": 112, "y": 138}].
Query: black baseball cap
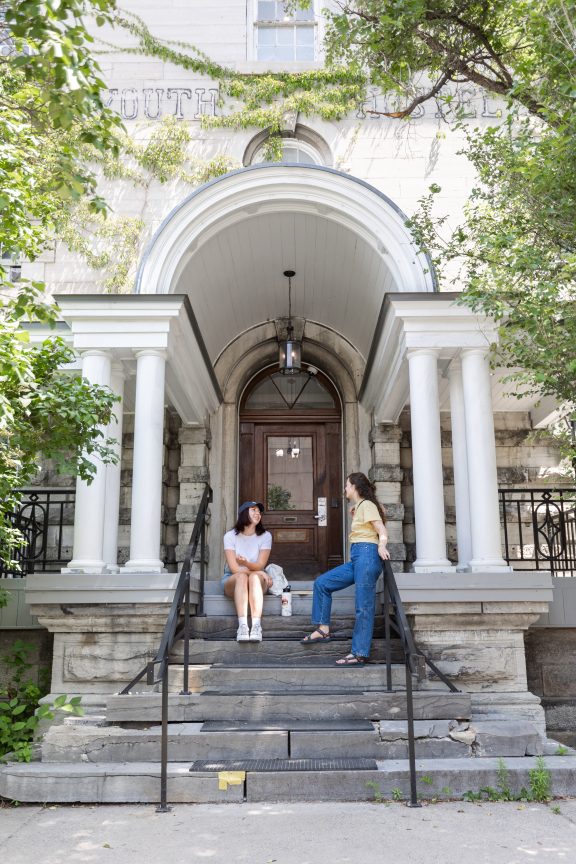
[{"x": 247, "y": 504}]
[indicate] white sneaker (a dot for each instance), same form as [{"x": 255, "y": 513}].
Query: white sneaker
[
  {"x": 256, "y": 633},
  {"x": 243, "y": 634}
]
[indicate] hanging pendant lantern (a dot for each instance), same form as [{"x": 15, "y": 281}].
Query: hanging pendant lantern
[{"x": 289, "y": 349}]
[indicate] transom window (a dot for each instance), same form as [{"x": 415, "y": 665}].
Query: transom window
[
  {"x": 282, "y": 35},
  {"x": 280, "y": 392},
  {"x": 293, "y": 150}
]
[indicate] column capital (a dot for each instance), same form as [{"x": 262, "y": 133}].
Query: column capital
[
  {"x": 118, "y": 368},
  {"x": 95, "y": 352},
  {"x": 151, "y": 352},
  {"x": 475, "y": 351},
  {"x": 422, "y": 352}
]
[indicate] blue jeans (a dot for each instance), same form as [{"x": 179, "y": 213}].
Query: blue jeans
[{"x": 362, "y": 570}]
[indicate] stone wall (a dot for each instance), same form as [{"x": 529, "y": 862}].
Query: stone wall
[
  {"x": 524, "y": 459},
  {"x": 193, "y": 474},
  {"x": 551, "y": 665},
  {"x": 387, "y": 475},
  {"x": 40, "y": 656}
]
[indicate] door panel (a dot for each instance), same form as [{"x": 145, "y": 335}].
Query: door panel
[{"x": 289, "y": 466}]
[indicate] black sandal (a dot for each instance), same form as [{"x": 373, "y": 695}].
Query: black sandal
[
  {"x": 324, "y": 637},
  {"x": 351, "y": 660}
]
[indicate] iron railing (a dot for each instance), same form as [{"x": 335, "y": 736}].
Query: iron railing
[
  {"x": 173, "y": 632},
  {"x": 539, "y": 527},
  {"x": 42, "y": 517},
  {"x": 415, "y": 662}
]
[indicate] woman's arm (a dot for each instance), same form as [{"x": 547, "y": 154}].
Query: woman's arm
[
  {"x": 260, "y": 564},
  {"x": 380, "y": 529},
  {"x": 236, "y": 565}
]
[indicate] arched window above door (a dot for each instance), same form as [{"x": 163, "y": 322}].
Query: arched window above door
[{"x": 302, "y": 392}]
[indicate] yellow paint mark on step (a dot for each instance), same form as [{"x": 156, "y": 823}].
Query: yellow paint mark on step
[{"x": 230, "y": 778}]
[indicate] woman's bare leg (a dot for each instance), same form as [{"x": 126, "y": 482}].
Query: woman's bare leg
[
  {"x": 258, "y": 584},
  {"x": 236, "y": 587}
]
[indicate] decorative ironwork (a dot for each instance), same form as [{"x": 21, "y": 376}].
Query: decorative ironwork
[
  {"x": 43, "y": 516},
  {"x": 539, "y": 528}
]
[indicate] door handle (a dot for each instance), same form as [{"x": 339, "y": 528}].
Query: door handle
[{"x": 322, "y": 517}]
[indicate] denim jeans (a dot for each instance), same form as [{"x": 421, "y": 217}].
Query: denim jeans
[{"x": 362, "y": 570}]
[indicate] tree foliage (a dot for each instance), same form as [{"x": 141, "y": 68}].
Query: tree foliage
[
  {"x": 51, "y": 109},
  {"x": 516, "y": 247},
  {"x": 44, "y": 410}
]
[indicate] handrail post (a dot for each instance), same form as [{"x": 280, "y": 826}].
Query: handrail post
[
  {"x": 202, "y": 566},
  {"x": 413, "y": 802},
  {"x": 387, "y": 634},
  {"x": 163, "y": 806},
  {"x": 185, "y": 689}
]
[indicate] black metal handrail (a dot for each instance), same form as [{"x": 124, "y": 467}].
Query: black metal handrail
[
  {"x": 415, "y": 662},
  {"x": 42, "y": 517},
  {"x": 539, "y": 526},
  {"x": 173, "y": 633}
]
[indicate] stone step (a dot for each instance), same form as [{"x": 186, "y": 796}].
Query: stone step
[
  {"x": 283, "y": 652},
  {"x": 301, "y": 604},
  {"x": 110, "y": 782},
  {"x": 186, "y": 741},
  {"x": 301, "y": 588},
  {"x": 224, "y": 626},
  {"x": 260, "y": 707},
  {"x": 314, "y": 677}
]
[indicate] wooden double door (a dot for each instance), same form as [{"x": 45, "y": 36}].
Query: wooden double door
[{"x": 294, "y": 467}]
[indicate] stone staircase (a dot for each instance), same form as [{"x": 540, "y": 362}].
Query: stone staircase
[{"x": 278, "y": 721}]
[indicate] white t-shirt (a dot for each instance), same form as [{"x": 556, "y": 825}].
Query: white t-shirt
[{"x": 247, "y": 545}]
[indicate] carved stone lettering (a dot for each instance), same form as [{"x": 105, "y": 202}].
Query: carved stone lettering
[
  {"x": 112, "y": 94},
  {"x": 153, "y": 103},
  {"x": 205, "y": 105},
  {"x": 180, "y": 93},
  {"x": 129, "y": 103}
]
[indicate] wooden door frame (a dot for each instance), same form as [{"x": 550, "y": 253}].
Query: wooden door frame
[{"x": 332, "y": 420}]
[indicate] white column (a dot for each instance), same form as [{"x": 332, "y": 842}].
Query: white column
[
  {"x": 427, "y": 463},
  {"x": 113, "y": 473},
  {"x": 147, "y": 469},
  {"x": 482, "y": 475},
  {"x": 91, "y": 499},
  {"x": 460, "y": 462}
]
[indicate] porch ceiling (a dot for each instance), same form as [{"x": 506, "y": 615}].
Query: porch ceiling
[{"x": 235, "y": 277}]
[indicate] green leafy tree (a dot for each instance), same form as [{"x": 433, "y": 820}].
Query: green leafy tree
[
  {"x": 51, "y": 110},
  {"x": 44, "y": 410},
  {"x": 515, "y": 251}
]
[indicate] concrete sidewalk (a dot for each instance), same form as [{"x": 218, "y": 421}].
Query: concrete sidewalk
[{"x": 450, "y": 833}]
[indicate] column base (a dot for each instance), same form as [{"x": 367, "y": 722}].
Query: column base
[
  {"x": 441, "y": 566},
  {"x": 491, "y": 565},
  {"x": 145, "y": 565},
  {"x": 80, "y": 566}
]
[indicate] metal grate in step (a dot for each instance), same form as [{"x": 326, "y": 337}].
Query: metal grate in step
[
  {"x": 291, "y": 726},
  {"x": 286, "y": 765}
]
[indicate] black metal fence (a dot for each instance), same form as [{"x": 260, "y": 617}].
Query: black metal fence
[
  {"x": 539, "y": 528},
  {"x": 46, "y": 519}
]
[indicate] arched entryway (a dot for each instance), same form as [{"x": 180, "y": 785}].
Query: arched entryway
[{"x": 290, "y": 457}]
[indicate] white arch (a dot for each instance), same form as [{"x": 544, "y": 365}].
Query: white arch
[{"x": 262, "y": 189}]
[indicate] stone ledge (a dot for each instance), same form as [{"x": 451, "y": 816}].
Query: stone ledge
[{"x": 97, "y": 589}]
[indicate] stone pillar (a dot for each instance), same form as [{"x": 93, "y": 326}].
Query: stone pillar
[
  {"x": 112, "y": 513},
  {"x": 88, "y": 548},
  {"x": 145, "y": 529},
  {"x": 482, "y": 474},
  {"x": 427, "y": 462},
  {"x": 460, "y": 465}
]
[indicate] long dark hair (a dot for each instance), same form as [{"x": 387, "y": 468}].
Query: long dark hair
[
  {"x": 366, "y": 490},
  {"x": 243, "y": 521}
]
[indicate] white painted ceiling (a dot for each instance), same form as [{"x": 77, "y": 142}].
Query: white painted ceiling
[{"x": 235, "y": 279}]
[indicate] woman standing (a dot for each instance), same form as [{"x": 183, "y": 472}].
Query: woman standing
[
  {"x": 368, "y": 547},
  {"x": 247, "y": 548}
]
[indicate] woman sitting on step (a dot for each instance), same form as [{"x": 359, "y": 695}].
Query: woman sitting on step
[
  {"x": 368, "y": 539},
  {"x": 247, "y": 547}
]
